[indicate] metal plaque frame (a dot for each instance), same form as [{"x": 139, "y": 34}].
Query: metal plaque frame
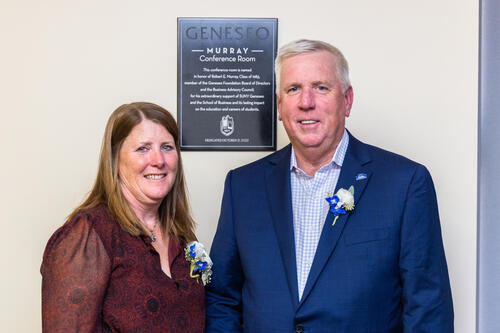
[{"x": 225, "y": 83}]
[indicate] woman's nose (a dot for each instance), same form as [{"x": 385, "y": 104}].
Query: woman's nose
[{"x": 157, "y": 158}]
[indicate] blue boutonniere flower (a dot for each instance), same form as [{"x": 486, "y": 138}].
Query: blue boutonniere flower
[
  {"x": 341, "y": 202},
  {"x": 201, "y": 264}
]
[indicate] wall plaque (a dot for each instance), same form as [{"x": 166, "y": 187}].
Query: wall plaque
[{"x": 225, "y": 83}]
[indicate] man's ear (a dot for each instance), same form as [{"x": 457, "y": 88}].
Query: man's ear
[
  {"x": 348, "y": 99},
  {"x": 279, "y": 107}
]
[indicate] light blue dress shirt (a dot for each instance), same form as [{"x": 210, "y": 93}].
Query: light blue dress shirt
[{"x": 310, "y": 207}]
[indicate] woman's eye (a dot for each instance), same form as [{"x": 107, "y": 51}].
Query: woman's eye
[{"x": 166, "y": 147}]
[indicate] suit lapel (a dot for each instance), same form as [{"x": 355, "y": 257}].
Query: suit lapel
[
  {"x": 280, "y": 202},
  {"x": 355, "y": 164}
]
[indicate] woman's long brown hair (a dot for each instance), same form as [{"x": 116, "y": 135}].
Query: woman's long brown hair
[{"x": 174, "y": 211}]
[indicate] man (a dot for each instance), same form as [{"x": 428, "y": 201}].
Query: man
[{"x": 285, "y": 260}]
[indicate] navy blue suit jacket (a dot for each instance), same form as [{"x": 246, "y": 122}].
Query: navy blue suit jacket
[{"x": 381, "y": 268}]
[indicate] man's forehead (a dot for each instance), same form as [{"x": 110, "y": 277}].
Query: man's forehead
[
  {"x": 308, "y": 61},
  {"x": 328, "y": 56},
  {"x": 301, "y": 66}
]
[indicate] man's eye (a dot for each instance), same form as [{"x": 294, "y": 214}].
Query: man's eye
[
  {"x": 322, "y": 88},
  {"x": 292, "y": 89}
]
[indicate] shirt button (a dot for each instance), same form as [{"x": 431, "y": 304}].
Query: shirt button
[{"x": 299, "y": 328}]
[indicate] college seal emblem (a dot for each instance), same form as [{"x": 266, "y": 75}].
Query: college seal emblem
[{"x": 227, "y": 125}]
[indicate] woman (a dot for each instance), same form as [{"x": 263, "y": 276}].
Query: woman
[{"x": 119, "y": 263}]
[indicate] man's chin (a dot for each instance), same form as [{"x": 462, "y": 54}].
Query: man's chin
[{"x": 308, "y": 143}]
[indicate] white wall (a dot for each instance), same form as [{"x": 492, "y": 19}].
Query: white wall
[{"x": 66, "y": 65}]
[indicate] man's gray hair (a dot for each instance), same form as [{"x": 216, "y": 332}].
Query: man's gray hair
[{"x": 302, "y": 46}]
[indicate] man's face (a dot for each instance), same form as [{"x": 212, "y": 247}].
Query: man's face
[{"x": 311, "y": 102}]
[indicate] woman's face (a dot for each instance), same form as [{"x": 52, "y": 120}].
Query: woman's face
[{"x": 147, "y": 164}]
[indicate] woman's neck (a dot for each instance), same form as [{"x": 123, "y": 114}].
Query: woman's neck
[{"x": 146, "y": 213}]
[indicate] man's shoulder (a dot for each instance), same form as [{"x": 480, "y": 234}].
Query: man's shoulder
[
  {"x": 262, "y": 164},
  {"x": 381, "y": 156},
  {"x": 385, "y": 163}
]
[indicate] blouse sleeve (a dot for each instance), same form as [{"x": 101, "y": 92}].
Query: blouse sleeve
[{"x": 75, "y": 273}]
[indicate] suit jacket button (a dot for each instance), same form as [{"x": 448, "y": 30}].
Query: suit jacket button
[{"x": 299, "y": 328}]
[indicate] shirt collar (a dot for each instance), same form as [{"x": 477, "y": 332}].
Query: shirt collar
[{"x": 338, "y": 157}]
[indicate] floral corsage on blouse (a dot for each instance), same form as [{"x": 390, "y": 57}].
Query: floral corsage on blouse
[
  {"x": 341, "y": 202},
  {"x": 201, "y": 264}
]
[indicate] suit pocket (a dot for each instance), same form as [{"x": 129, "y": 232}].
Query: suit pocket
[{"x": 357, "y": 236}]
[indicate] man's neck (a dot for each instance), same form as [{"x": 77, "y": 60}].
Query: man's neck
[{"x": 311, "y": 160}]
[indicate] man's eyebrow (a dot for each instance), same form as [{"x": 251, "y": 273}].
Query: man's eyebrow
[{"x": 320, "y": 82}]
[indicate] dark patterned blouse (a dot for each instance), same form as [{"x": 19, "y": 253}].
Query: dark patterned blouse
[{"x": 98, "y": 278}]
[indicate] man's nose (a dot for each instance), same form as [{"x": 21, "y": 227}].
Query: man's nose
[{"x": 307, "y": 99}]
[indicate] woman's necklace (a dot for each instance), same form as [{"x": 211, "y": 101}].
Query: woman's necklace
[{"x": 153, "y": 237}]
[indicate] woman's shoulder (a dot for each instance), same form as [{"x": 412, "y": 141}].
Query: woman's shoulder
[
  {"x": 85, "y": 227},
  {"x": 93, "y": 217},
  {"x": 75, "y": 273}
]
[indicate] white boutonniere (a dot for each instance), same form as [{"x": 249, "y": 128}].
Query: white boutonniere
[
  {"x": 201, "y": 264},
  {"x": 341, "y": 202}
]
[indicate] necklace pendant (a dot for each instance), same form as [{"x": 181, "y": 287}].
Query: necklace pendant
[{"x": 153, "y": 237}]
